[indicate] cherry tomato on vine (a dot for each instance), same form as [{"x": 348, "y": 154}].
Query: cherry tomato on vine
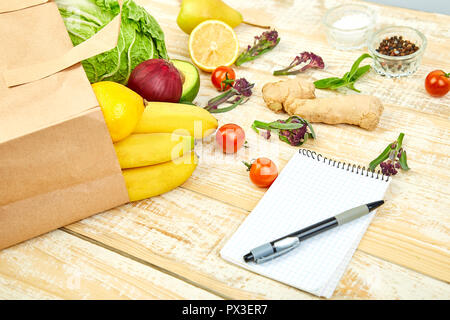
[
  {"x": 223, "y": 78},
  {"x": 437, "y": 83},
  {"x": 263, "y": 172},
  {"x": 230, "y": 137}
]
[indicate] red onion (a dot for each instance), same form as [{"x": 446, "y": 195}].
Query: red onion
[{"x": 156, "y": 80}]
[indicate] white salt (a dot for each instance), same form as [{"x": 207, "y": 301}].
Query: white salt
[{"x": 352, "y": 21}]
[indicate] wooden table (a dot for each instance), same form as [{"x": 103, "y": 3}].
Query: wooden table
[{"x": 167, "y": 247}]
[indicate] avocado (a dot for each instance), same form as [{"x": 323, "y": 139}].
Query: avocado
[{"x": 191, "y": 79}]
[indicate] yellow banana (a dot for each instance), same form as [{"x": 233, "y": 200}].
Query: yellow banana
[
  {"x": 150, "y": 181},
  {"x": 176, "y": 118},
  {"x": 146, "y": 149}
]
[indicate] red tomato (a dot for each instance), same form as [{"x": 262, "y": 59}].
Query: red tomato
[
  {"x": 263, "y": 172},
  {"x": 222, "y": 74},
  {"x": 230, "y": 137},
  {"x": 437, "y": 83}
]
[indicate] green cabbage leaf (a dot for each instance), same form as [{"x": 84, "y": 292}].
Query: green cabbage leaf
[{"x": 140, "y": 38}]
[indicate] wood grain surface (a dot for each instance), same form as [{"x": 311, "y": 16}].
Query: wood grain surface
[
  {"x": 183, "y": 232},
  {"x": 168, "y": 246},
  {"x": 60, "y": 266}
]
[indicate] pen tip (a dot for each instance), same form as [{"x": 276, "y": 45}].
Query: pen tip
[
  {"x": 373, "y": 205},
  {"x": 248, "y": 257}
]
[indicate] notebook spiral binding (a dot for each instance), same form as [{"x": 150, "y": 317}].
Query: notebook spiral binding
[{"x": 353, "y": 167}]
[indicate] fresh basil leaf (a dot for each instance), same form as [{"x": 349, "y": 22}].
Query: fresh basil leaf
[
  {"x": 338, "y": 84},
  {"x": 254, "y": 128},
  {"x": 360, "y": 72},
  {"x": 383, "y": 156},
  {"x": 285, "y": 126},
  {"x": 291, "y": 118},
  {"x": 261, "y": 125},
  {"x": 275, "y": 127},
  {"x": 348, "y": 79},
  {"x": 403, "y": 161},
  {"x": 400, "y": 140},
  {"x": 312, "y": 134},
  {"x": 325, "y": 83},
  {"x": 345, "y": 77},
  {"x": 356, "y": 64}
]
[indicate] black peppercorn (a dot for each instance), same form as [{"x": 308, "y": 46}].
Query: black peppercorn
[{"x": 396, "y": 46}]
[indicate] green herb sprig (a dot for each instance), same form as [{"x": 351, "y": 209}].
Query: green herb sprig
[
  {"x": 238, "y": 94},
  {"x": 349, "y": 78},
  {"x": 392, "y": 158},
  {"x": 293, "y": 130}
]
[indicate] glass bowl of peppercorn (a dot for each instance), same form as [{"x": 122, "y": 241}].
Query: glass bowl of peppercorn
[{"x": 397, "y": 51}]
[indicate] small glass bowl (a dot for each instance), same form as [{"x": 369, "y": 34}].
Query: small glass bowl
[
  {"x": 397, "y": 66},
  {"x": 348, "y": 38}
]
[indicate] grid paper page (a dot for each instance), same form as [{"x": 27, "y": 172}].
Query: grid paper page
[{"x": 306, "y": 192}]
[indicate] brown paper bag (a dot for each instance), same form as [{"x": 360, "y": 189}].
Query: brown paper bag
[{"x": 57, "y": 161}]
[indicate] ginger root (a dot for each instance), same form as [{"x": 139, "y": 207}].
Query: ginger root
[
  {"x": 360, "y": 110},
  {"x": 277, "y": 94},
  {"x": 296, "y": 97}
]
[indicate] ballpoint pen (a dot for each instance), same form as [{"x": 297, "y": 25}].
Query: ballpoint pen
[{"x": 276, "y": 248}]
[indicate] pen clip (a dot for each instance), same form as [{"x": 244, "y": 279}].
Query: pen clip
[{"x": 277, "y": 254}]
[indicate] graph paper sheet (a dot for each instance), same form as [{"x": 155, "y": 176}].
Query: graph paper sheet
[{"x": 307, "y": 191}]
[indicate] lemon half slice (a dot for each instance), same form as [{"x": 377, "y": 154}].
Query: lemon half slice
[{"x": 212, "y": 44}]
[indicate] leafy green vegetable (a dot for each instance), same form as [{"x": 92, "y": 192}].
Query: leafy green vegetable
[
  {"x": 293, "y": 130},
  {"x": 402, "y": 161},
  {"x": 383, "y": 156},
  {"x": 327, "y": 82},
  {"x": 392, "y": 158},
  {"x": 238, "y": 94},
  {"x": 349, "y": 78},
  {"x": 355, "y": 66},
  {"x": 140, "y": 38}
]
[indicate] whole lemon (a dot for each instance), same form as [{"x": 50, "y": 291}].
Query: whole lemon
[{"x": 122, "y": 108}]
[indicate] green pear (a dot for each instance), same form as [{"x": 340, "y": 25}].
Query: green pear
[{"x": 194, "y": 12}]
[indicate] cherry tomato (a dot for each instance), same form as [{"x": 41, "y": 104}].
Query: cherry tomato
[
  {"x": 223, "y": 74},
  {"x": 263, "y": 172},
  {"x": 437, "y": 83},
  {"x": 230, "y": 137}
]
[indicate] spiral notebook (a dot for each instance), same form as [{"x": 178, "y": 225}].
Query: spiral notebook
[{"x": 309, "y": 189}]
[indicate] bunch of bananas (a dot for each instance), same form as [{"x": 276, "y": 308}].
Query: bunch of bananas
[{"x": 157, "y": 156}]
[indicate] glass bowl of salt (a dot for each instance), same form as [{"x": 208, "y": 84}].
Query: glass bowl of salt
[{"x": 348, "y": 26}]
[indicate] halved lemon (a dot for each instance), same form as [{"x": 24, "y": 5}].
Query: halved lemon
[{"x": 212, "y": 44}]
